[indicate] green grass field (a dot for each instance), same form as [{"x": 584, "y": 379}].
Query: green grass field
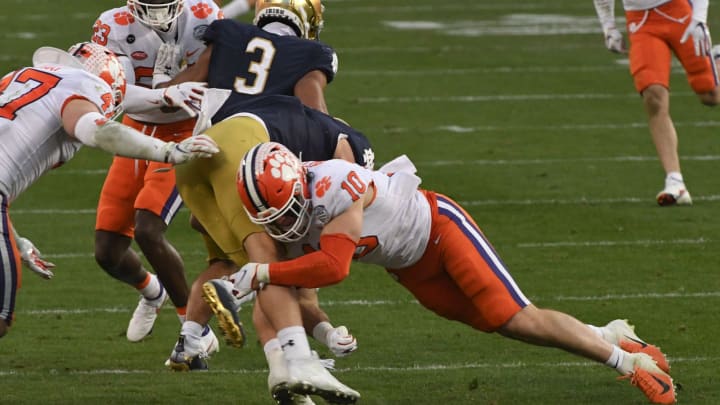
[{"x": 516, "y": 110}]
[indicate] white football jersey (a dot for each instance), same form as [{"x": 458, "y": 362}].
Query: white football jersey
[
  {"x": 32, "y": 139},
  {"x": 118, "y": 30},
  {"x": 396, "y": 224}
]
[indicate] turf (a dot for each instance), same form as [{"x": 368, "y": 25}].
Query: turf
[{"x": 514, "y": 109}]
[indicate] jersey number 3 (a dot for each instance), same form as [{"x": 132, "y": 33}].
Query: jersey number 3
[
  {"x": 24, "y": 88},
  {"x": 260, "y": 69}
]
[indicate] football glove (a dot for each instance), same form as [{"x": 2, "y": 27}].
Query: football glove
[
  {"x": 243, "y": 278},
  {"x": 32, "y": 258},
  {"x": 700, "y": 35},
  {"x": 614, "y": 41},
  {"x": 167, "y": 63},
  {"x": 187, "y": 96},
  {"x": 341, "y": 342},
  {"x": 200, "y": 146}
]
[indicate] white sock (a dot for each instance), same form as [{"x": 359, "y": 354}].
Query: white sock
[
  {"x": 235, "y": 8},
  {"x": 294, "y": 342},
  {"x": 621, "y": 361},
  {"x": 153, "y": 289},
  {"x": 603, "y": 333},
  {"x": 190, "y": 328},
  {"x": 674, "y": 178}
]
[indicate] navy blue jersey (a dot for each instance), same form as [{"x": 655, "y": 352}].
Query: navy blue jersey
[
  {"x": 251, "y": 61},
  {"x": 307, "y": 132}
]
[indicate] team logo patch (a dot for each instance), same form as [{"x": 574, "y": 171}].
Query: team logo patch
[
  {"x": 322, "y": 186},
  {"x": 123, "y": 18},
  {"x": 199, "y": 31},
  {"x": 201, "y": 10},
  {"x": 139, "y": 55}
]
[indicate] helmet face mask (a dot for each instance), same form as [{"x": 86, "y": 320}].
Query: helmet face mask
[
  {"x": 304, "y": 16},
  {"x": 158, "y": 14},
  {"x": 103, "y": 63},
  {"x": 273, "y": 188}
]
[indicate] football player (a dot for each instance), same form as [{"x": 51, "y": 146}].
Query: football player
[
  {"x": 138, "y": 199},
  {"x": 232, "y": 238},
  {"x": 657, "y": 29},
  {"x": 326, "y": 214},
  {"x": 47, "y": 112},
  {"x": 280, "y": 54}
]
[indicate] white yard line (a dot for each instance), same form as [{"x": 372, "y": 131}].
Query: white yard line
[{"x": 414, "y": 368}]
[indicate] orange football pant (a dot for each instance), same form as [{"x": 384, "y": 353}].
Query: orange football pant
[
  {"x": 460, "y": 277},
  {"x": 133, "y": 184},
  {"x": 654, "y": 35}
]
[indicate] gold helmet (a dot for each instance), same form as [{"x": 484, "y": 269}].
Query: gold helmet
[{"x": 304, "y": 16}]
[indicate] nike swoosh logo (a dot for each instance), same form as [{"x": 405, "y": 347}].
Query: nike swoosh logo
[
  {"x": 665, "y": 385},
  {"x": 191, "y": 53},
  {"x": 640, "y": 342}
]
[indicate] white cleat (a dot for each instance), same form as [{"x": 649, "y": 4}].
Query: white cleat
[
  {"x": 309, "y": 377},
  {"x": 143, "y": 319},
  {"x": 674, "y": 194},
  {"x": 190, "y": 353},
  {"x": 623, "y": 334}
]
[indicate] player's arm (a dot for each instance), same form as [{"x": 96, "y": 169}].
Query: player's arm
[
  {"x": 310, "y": 89},
  {"x": 614, "y": 41},
  {"x": 326, "y": 266},
  {"x": 198, "y": 72},
  {"x": 83, "y": 121}
]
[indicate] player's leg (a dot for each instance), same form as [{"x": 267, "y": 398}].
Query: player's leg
[
  {"x": 156, "y": 205},
  {"x": 10, "y": 269},
  {"x": 476, "y": 288},
  {"x": 114, "y": 230},
  {"x": 650, "y": 63}
]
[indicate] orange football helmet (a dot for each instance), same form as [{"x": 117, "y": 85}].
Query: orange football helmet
[
  {"x": 305, "y": 16},
  {"x": 272, "y": 183}
]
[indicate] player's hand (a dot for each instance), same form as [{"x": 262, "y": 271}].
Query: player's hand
[
  {"x": 187, "y": 96},
  {"x": 700, "y": 35},
  {"x": 341, "y": 342},
  {"x": 243, "y": 280},
  {"x": 167, "y": 63},
  {"x": 33, "y": 259},
  {"x": 200, "y": 146},
  {"x": 614, "y": 41}
]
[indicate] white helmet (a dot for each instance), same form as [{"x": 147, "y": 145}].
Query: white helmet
[
  {"x": 103, "y": 63},
  {"x": 156, "y": 13}
]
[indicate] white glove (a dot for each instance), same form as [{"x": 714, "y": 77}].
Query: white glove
[
  {"x": 341, "y": 342},
  {"x": 243, "y": 278},
  {"x": 187, "y": 96},
  {"x": 700, "y": 35},
  {"x": 614, "y": 41},
  {"x": 167, "y": 63},
  {"x": 32, "y": 258},
  {"x": 200, "y": 146}
]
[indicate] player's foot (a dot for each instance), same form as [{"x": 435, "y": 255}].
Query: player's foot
[
  {"x": 674, "y": 194},
  {"x": 219, "y": 296},
  {"x": 657, "y": 385},
  {"x": 143, "y": 319},
  {"x": 309, "y": 377},
  {"x": 623, "y": 335},
  {"x": 190, "y": 354}
]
